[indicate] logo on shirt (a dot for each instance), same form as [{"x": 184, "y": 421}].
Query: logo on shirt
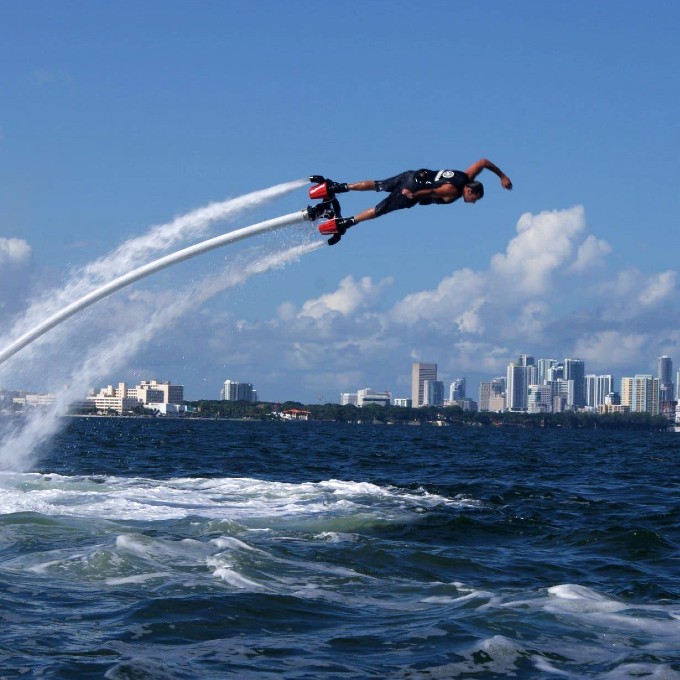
[{"x": 444, "y": 174}]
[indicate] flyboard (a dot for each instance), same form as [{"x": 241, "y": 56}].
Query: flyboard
[{"x": 328, "y": 208}]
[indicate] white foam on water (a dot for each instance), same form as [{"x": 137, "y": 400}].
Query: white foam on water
[{"x": 231, "y": 498}]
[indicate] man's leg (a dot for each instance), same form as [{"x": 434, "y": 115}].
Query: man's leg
[{"x": 364, "y": 185}]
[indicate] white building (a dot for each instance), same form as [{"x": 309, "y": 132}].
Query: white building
[
  {"x": 597, "y": 389},
  {"x": 237, "y": 391},
  {"x": 518, "y": 379},
  {"x": 457, "y": 389},
  {"x": 540, "y": 399},
  {"x": 122, "y": 399},
  {"x": 32, "y": 400},
  {"x": 369, "y": 396}
]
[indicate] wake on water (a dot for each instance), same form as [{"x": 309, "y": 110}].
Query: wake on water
[{"x": 18, "y": 440}]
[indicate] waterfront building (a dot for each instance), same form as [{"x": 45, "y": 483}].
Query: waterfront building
[
  {"x": 368, "y": 396},
  {"x": 492, "y": 391},
  {"x": 154, "y": 392},
  {"x": 484, "y": 395},
  {"x": 32, "y": 400},
  {"x": 457, "y": 389},
  {"x": 544, "y": 366},
  {"x": 518, "y": 379},
  {"x": 497, "y": 404},
  {"x": 597, "y": 388},
  {"x": 148, "y": 393},
  {"x": 433, "y": 393},
  {"x": 419, "y": 374},
  {"x": 348, "y": 399},
  {"x": 641, "y": 394},
  {"x": 466, "y": 404},
  {"x": 574, "y": 369},
  {"x": 540, "y": 399},
  {"x": 664, "y": 373},
  {"x": 402, "y": 402},
  {"x": 238, "y": 391},
  {"x": 554, "y": 372}
]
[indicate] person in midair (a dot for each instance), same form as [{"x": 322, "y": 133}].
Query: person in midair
[{"x": 414, "y": 187}]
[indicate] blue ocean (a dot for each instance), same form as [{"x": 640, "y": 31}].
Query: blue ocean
[{"x": 152, "y": 548}]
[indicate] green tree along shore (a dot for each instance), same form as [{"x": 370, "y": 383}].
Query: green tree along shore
[{"x": 453, "y": 415}]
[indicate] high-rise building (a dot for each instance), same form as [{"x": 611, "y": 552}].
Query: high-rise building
[
  {"x": 544, "y": 366},
  {"x": 597, "y": 389},
  {"x": 492, "y": 395},
  {"x": 236, "y": 391},
  {"x": 540, "y": 399},
  {"x": 433, "y": 393},
  {"x": 641, "y": 393},
  {"x": 457, "y": 389},
  {"x": 419, "y": 374},
  {"x": 518, "y": 380},
  {"x": 664, "y": 373},
  {"x": 574, "y": 369}
]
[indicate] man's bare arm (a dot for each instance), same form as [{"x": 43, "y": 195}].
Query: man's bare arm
[{"x": 484, "y": 163}]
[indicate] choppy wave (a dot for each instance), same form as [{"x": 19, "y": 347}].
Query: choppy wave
[{"x": 474, "y": 575}]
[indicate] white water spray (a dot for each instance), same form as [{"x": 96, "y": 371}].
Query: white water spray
[
  {"x": 147, "y": 270},
  {"x": 136, "y": 251},
  {"x": 95, "y": 281},
  {"x": 17, "y": 450}
]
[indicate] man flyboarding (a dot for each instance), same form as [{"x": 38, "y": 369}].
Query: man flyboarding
[{"x": 413, "y": 187}]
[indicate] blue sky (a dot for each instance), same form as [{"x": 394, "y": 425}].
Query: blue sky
[{"x": 118, "y": 117}]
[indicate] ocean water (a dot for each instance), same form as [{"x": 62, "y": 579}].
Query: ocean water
[{"x": 149, "y": 549}]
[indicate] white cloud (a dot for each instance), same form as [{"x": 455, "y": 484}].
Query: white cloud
[
  {"x": 456, "y": 300},
  {"x": 614, "y": 349},
  {"x": 544, "y": 243},
  {"x": 657, "y": 288},
  {"x": 14, "y": 251},
  {"x": 350, "y": 296},
  {"x": 590, "y": 254}
]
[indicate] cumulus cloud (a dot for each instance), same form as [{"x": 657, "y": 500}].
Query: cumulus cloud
[
  {"x": 590, "y": 254},
  {"x": 615, "y": 349},
  {"x": 658, "y": 287},
  {"x": 544, "y": 243},
  {"x": 350, "y": 296}
]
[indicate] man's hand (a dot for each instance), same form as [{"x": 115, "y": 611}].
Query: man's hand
[
  {"x": 407, "y": 192},
  {"x": 506, "y": 183}
]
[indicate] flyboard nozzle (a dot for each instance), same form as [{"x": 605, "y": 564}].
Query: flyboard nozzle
[{"x": 319, "y": 192}]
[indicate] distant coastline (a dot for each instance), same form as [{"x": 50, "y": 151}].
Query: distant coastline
[{"x": 398, "y": 415}]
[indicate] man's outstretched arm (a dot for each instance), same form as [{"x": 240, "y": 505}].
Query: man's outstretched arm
[{"x": 483, "y": 163}]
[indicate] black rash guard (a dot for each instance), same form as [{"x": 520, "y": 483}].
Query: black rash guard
[
  {"x": 415, "y": 180},
  {"x": 431, "y": 179}
]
